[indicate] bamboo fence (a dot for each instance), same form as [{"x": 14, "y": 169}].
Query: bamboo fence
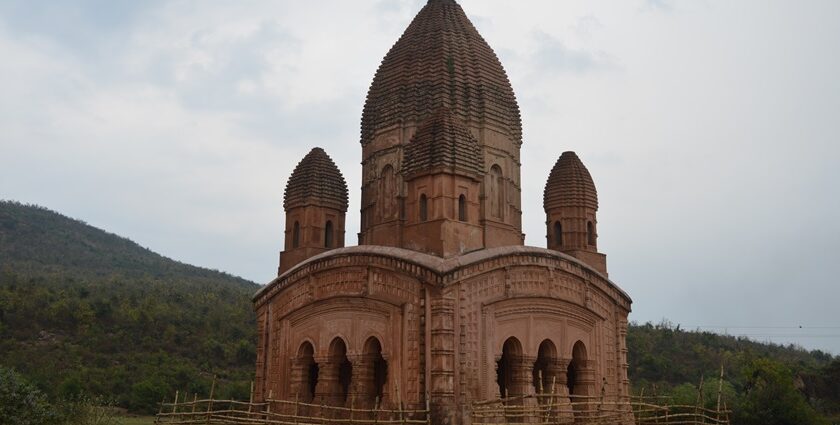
[
  {"x": 210, "y": 411},
  {"x": 546, "y": 408}
]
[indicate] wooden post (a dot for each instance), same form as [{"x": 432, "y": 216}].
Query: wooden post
[
  {"x": 251, "y": 401},
  {"x": 720, "y": 390},
  {"x": 550, "y": 404},
  {"x": 195, "y": 401},
  {"x": 297, "y": 407},
  {"x": 699, "y": 399},
  {"x": 352, "y": 407},
  {"x": 428, "y": 412},
  {"x": 399, "y": 400},
  {"x": 268, "y": 404},
  {"x": 375, "y": 410},
  {"x": 175, "y": 403},
  {"x": 210, "y": 401}
]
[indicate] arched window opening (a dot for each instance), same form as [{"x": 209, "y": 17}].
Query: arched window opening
[
  {"x": 462, "y": 208},
  {"x": 496, "y": 194},
  {"x": 506, "y": 368},
  {"x": 373, "y": 352},
  {"x": 558, "y": 234},
  {"x": 573, "y": 373},
  {"x": 590, "y": 233},
  {"x": 296, "y": 235},
  {"x": 342, "y": 371},
  {"x": 328, "y": 235},
  {"x": 544, "y": 371},
  {"x": 307, "y": 371},
  {"x": 424, "y": 208}
]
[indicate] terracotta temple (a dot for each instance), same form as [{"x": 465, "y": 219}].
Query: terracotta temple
[{"x": 440, "y": 301}]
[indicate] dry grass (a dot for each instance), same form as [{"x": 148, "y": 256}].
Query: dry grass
[{"x": 136, "y": 420}]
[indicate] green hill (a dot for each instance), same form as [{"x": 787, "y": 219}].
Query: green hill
[
  {"x": 86, "y": 311},
  {"x": 758, "y": 377}
]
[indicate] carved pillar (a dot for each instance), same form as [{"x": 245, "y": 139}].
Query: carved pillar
[
  {"x": 443, "y": 361},
  {"x": 557, "y": 375},
  {"x": 362, "y": 390},
  {"x": 586, "y": 379},
  {"x": 328, "y": 389},
  {"x": 522, "y": 381},
  {"x": 300, "y": 379},
  {"x": 522, "y": 375}
]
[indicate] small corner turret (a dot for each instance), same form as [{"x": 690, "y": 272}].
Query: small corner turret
[
  {"x": 571, "y": 203},
  {"x": 315, "y": 202}
]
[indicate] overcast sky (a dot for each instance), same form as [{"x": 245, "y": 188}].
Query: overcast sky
[{"x": 710, "y": 127}]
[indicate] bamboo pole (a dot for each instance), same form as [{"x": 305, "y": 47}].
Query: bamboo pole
[
  {"x": 210, "y": 401},
  {"x": 268, "y": 404},
  {"x": 428, "y": 412},
  {"x": 720, "y": 390},
  {"x": 399, "y": 401},
  {"x": 297, "y": 406}
]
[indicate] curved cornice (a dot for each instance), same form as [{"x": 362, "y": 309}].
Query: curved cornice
[{"x": 440, "y": 271}]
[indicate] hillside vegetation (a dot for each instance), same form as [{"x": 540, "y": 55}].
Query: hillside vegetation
[
  {"x": 763, "y": 383},
  {"x": 86, "y": 312}
]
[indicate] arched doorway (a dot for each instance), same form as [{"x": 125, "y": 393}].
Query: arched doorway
[
  {"x": 335, "y": 375},
  {"x": 574, "y": 373},
  {"x": 306, "y": 371},
  {"x": 379, "y": 376},
  {"x": 507, "y": 369},
  {"x": 545, "y": 379}
]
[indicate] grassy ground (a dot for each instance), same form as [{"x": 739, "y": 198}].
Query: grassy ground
[{"x": 137, "y": 420}]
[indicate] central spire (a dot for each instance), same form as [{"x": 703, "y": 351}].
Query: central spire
[{"x": 441, "y": 75}]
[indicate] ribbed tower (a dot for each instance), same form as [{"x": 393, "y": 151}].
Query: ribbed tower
[
  {"x": 441, "y": 63},
  {"x": 316, "y": 204},
  {"x": 443, "y": 170},
  {"x": 571, "y": 203}
]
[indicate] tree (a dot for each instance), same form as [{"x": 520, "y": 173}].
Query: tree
[
  {"x": 21, "y": 403},
  {"x": 771, "y": 398}
]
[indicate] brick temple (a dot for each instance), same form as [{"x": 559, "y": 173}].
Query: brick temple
[{"x": 441, "y": 301}]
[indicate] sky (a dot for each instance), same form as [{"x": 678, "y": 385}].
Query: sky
[{"x": 710, "y": 128}]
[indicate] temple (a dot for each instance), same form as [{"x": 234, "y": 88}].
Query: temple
[{"x": 441, "y": 303}]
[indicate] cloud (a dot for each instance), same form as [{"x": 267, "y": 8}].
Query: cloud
[
  {"x": 177, "y": 124},
  {"x": 660, "y": 5},
  {"x": 553, "y": 56}
]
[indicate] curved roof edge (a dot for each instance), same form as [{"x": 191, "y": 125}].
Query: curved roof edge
[{"x": 438, "y": 265}]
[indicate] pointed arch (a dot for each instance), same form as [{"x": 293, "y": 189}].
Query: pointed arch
[
  {"x": 462, "y": 208},
  {"x": 307, "y": 371},
  {"x": 424, "y": 207},
  {"x": 343, "y": 370},
  {"x": 576, "y": 366},
  {"x": 546, "y": 357},
  {"x": 296, "y": 235},
  {"x": 506, "y": 368},
  {"x": 373, "y": 350},
  {"x": 558, "y": 234},
  {"x": 329, "y": 235},
  {"x": 590, "y": 234}
]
